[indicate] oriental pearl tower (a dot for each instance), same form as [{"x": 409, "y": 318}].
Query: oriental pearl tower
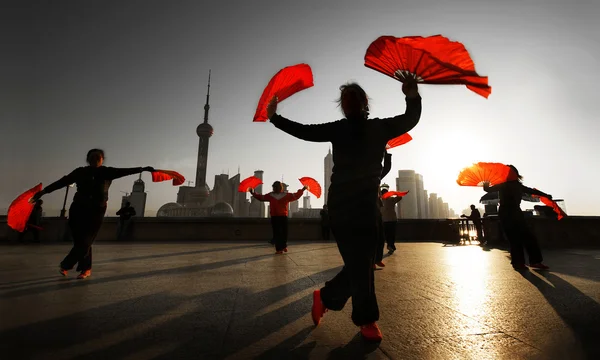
[{"x": 204, "y": 131}]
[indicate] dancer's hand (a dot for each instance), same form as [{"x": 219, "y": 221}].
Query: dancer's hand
[
  {"x": 149, "y": 169},
  {"x": 272, "y": 107},
  {"x": 36, "y": 197},
  {"x": 410, "y": 88},
  {"x": 251, "y": 190}
]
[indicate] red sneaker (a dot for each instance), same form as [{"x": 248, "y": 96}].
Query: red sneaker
[
  {"x": 63, "y": 272},
  {"x": 285, "y": 250},
  {"x": 84, "y": 274},
  {"x": 371, "y": 332},
  {"x": 539, "y": 266},
  {"x": 318, "y": 309},
  {"x": 380, "y": 264},
  {"x": 279, "y": 252}
]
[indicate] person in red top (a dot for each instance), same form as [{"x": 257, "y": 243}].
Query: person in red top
[{"x": 279, "y": 201}]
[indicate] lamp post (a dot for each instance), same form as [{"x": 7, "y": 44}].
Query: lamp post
[{"x": 64, "y": 211}]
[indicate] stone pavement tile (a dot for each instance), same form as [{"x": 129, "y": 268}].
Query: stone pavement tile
[{"x": 483, "y": 346}]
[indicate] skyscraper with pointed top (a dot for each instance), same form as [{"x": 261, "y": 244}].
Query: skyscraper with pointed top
[{"x": 197, "y": 196}]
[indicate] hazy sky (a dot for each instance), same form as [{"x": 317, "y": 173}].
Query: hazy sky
[{"x": 130, "y": 77}]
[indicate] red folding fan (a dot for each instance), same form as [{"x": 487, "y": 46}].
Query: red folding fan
[
  {"x": 394, "y": 193},
  {"x": 20, "y": 209},
  {"x": 164, "y": 175},
  {"x": 400, "y": 140},
  {"x": 285, "y": 83},
  {"x": 431, "y": 60},
  {"x": 312, "y": 185},
  {"x": 477, "y": 174},
  {"x": 552, "y": 204},
  {"x": 249, "y": 183}
]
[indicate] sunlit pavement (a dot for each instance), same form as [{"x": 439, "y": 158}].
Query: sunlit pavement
[{"x": 215, "y": 300}]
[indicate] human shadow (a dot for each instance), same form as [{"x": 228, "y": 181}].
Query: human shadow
[
  {"x": 71, "y": 283},
  {"x": 580, "y": 312},
  {"x": 183, "y": 253},
  {"x": 220, "y": 334},
  {"x": 357, "y": 348}
]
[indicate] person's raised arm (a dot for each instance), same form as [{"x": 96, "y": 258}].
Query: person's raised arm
[
  {"x": 315, "y": 133},
  {"x": 116, "y": 173},
  {"x": 298, "y": 194},
  {"x": 258, "y": 197},
  {"x": 397, "y": 199},
  {"x": 401, "y": 124}
]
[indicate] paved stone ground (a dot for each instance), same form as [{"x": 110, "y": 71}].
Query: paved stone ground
[{"x": 240, "y": 301}]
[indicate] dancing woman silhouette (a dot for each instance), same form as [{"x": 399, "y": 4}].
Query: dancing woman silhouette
[
  {"x": 514, "y": 224},
  {"x": 86, "y": 213},
  {"x": 358, "y": 150}
]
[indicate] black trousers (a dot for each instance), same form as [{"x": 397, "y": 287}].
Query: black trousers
[
  {"x": 380, "y": 240},
  {"x": 389, "y": 228},
  {"x": 325, "y": 230},
  {"x": 355, "y": 224},
  {"x": 520, "y": 236},
  {"x": 84, "y": 222},
  {"x": 479, "y": 229},
  {"x": 280, "y": 231}
]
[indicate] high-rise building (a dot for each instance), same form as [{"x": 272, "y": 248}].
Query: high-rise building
[
  {"x": 434, "y": 212},
  {"x": 421, "y": 207},
  {"x": 328, "y": 171},
  {"x": 406, "y": 181},
  {"x": 425, "y": 205},
  {"x": 137, "y": 198}
]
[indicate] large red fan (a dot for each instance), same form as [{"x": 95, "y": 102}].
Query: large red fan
[
  {"x": 312, "y": 185},
  {"x": 285, "y": 83},
  {"x": 477, "y": 174},
  {"x": 394, "y": 193},
  {"x": 249, "y": 183},
  {"x": 400, "y": 140},
  {"x": 431, "y": 60},
  {"x": 20, "y": 209},
  {"x": 164, "y": 175},
  {"x": 553, "y": 205}
]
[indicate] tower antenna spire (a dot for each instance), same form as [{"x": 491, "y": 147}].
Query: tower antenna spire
[{"x": 207, "y": 106}]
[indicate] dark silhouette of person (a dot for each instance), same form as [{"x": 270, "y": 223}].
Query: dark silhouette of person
[
  {"x": 387, "y": 166},
  {"x": 390, "y": 220},
  {"x": 475, "y": 217},
  {"x": 514, "y": 224},
  {"x": 278, "y": 205},
  {"x": 325, "y": 230},
  {"x": 125, "y": 214},
  {"x": 358, "y": 147},
  {"x": 33, "y": 223},
  {"x": 87, "y": 210}
]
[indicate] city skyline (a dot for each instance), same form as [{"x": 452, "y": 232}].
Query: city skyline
[{"x": 136, "y": 89}]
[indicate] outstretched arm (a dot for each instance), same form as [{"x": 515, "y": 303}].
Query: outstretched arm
[
  {"x": 495, "y": 188},
  {"x": 59, "y": 184},
  {"x": 297, "y": 195},
  {"x": 115, "y": 173},
  {"x": 531, "y": 191},
  {"x": 315, "y": 133},
  {"x": 258, "y": 197},
  {"x": 387, "y": 164}
]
